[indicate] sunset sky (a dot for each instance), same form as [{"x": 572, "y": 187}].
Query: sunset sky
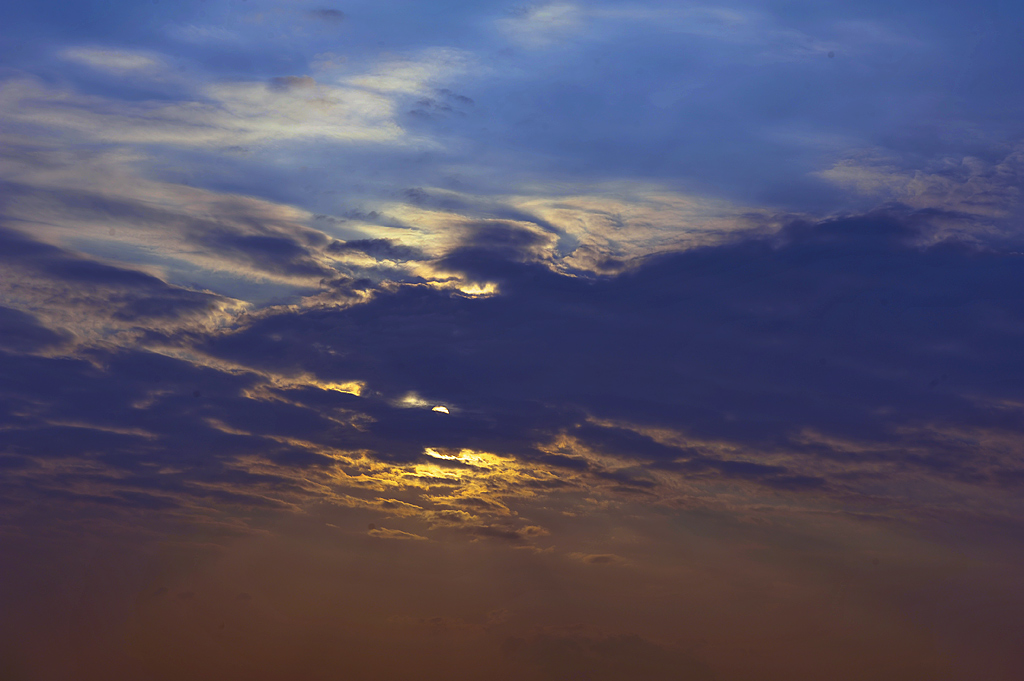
[{"x": 601, "y": 341}]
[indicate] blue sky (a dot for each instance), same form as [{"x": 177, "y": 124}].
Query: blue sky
[
  {"x": 733, "y": 110},
  {"x": 637, "y": 338}
]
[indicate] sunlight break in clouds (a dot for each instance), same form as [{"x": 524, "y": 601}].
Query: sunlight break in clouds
[{"x": 627, "y": 341}]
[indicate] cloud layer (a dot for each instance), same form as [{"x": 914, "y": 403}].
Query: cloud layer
[{"x": 436, "y": 341}]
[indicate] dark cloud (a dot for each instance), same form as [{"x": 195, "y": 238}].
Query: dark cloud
[
  {"x": 286, "y": 83},
  {"x": 851, "y": 331},
  {"x": 12, "y": 463},
  {"x": 90, "y": 272},
  {"x": 241, "y": 232},
  {"x": 330, "y": 16},
  {"x": 270, "y": 252},
  {"x": 124, "y": 294},
  {"x": 21, "y": 332},
  {"x": 455, "y": 97},
  {"x": 841, "y": 328},
  {"x": 489, "y": 210},
  {"x": 130, "y": 419},
  {"x": 503, "y": 240}
]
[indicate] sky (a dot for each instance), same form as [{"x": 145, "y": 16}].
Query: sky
[{"x": 494, "y": 341}]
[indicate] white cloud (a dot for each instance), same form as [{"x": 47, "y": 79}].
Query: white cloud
[
  {"x": 965, "y": 185},
  {"x": 599, "y": 221},
  {"x": 105, "y": 204},
  {"x": 227, "y": 114},
  {"x": 542, "y": 25},
  {"x": 113, "y": 60},
  {"x": 409, "y": 76},
  {"x": 360, "y": 108}
]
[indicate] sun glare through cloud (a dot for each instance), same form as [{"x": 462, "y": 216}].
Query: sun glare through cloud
[{"x": 625, "y": 341}]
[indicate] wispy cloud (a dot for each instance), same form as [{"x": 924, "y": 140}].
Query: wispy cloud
[
  {"x": 542, "y": 25},
  {"x": 569, "y": 338},
  {"x": 114, "y": 61},
  {"x": 228, "y": 114},
  {"x": 966, "y": 185}
]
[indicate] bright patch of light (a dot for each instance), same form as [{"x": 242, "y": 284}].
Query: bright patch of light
[
  {"x": 351, "y": 387},
  {"x": 441, "y": 408},
  {"x": 411, "y": 399},
  {"x": 467, "y": 456},
  {"x": 432, "y": 470},
  {"x": 488, "y": 289}
]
